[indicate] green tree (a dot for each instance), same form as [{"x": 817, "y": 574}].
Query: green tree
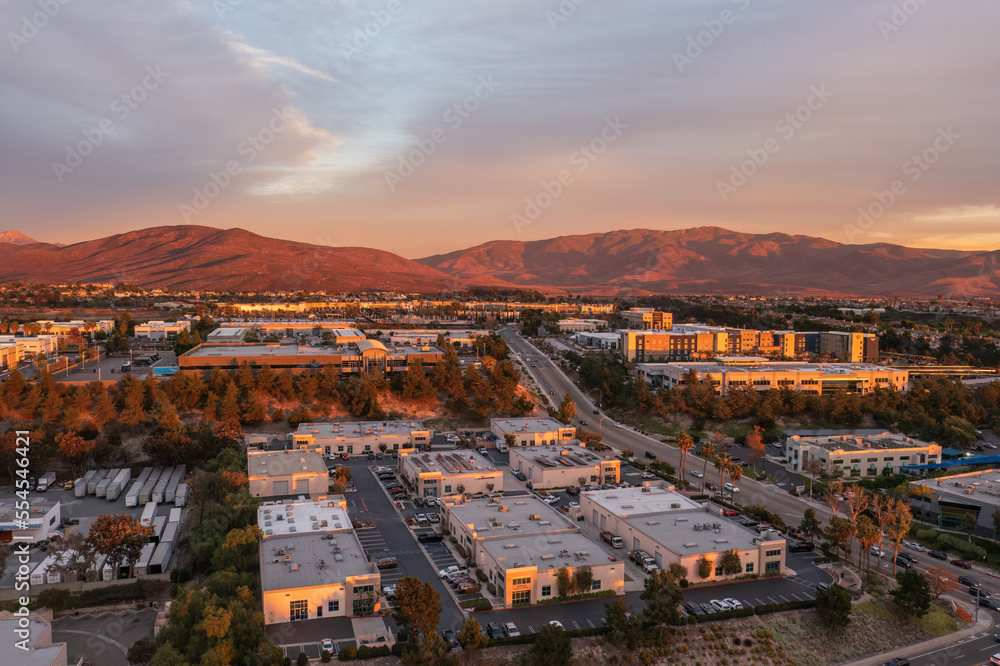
[
  {"x": 552, "y": 647},
  {"x": 141, "y": 652},
  {"x": 913, "y": 593},
  {"x": 564, "y": 582},
  {"x": 624, "y": 623},
  {"x": 833, "y": 605},
  {"x": 730, "y": 562},
  {"x": 810, "y": 525},
  {"x": 662, "y": 600},
  {"x": 583, "y": 579},
  {"x": 706, "y": 566}
]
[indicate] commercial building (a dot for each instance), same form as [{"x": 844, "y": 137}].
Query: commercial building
[
  {"x": 579, "y": 325},
  {"x": 355, "y": 358},
  {"x": 953, "y": 501},
  {"x": 43, "y": 516},
  {"x": 674, "y": 529},
  {"x": 228, "y": 335},
  {"x": 312, "y": 564},
  {"x": 456, "y": 472},
  {"x": 524, "y": 568},
  {"x": 455, "y": 337},
  {"x": 599, "y": 340},
  {"x": 859, "y": 455},
  {"x": 564, "y": 465},
  {"x": 284, "y": 473},
  {"x": 66, "y": 328},
  {"x": 648, "y": 319},
  {"x": 352, "y": 437},
  {"x": 477, "y": 521},
  {"x": 39, "y": 649},
  {"x": 343, "y": 333},
  {"x": 8, "y": 356},
  {"x": 34, "y": 345},
  {"x": 657, "y": 345},
  {"x": 849, "y": 347},
  {"x": 532, "y": 432},
  {"x": 731, "y": 372},
  {"x": 161, "y": 330}
]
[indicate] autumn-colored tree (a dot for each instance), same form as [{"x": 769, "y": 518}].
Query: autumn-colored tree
[
  {"x": 755, "y": 445},
  {"x": 74, "y": 448},
  {"x": 832, "y": 495},
  {"x": 898, "y": 526},
  {"x": 867, "y": 534},
  {"x": 120, "y": 538},
  {"x": 940, "y": 581},
  {"x": 417, "y": 607},
  {"x": 707, "y": 453},
  {"x": 472, "y": 638},
  {"x": 706, "y": 566},
  {"x": 567, "y": 409}
]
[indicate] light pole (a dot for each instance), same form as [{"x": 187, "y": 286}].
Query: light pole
[
  {"x": 600, "y": 426},
  {"x": 600, "y": 398},
  {"x": 979, "y": 592}
]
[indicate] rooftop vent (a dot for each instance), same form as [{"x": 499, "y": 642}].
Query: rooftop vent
[{"x": 690, "y": 545}]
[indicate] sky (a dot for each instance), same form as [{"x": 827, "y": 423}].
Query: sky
[{"x": 423, "y": 128}]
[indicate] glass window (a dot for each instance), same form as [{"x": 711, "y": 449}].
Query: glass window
[
  {"x": 520, "y": 581},
  {"x": 546, "y": 590},
  {"x": 718, "y": 571},
  {"x": 596, "y": 585},
  {"x": 522, "y": 597},
  {"x": 771, "y": 566},
  {"x": 333, "y": 606},
  {"x": 298, "y": 609},
  {"x": 749, "y": 567}
]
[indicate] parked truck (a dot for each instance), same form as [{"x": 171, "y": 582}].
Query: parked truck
[
  {"x": 117, "y": 487},
  {"x": 614, "y": 541},
  {"x": 80, "y": 487},
  {"x": 46, "y": 480}
]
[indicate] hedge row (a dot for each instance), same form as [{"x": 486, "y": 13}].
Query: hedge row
[
  {"x": 351, "y": 653},
  {"x": 134, "y": 591}
]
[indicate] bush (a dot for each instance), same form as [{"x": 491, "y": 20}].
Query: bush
[
  {"x": 57, "y": 599},
  {"x": 135, "y": 591},
  {"x": 348, "y": 653},
  {"x": 927, "y": 535},
  {"x": 369, "y": 652},
  {"x": 180, "y": 575},
  {"x": 303, "y": 659},
  {"x": 481, "y": 575},
  {"x": 325, "y": 656},
  {"x": 962, "y": 546},
  {"x": 482, "y": 605},
  {"x": 492, "y": 588}
]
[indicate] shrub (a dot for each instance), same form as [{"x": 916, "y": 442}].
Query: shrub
[
  {"x": 325, "y": 656},
  {"x": 492, "y": 588},
  {"x": 58, "y": 599},
  {"x": 180, "y": 575},
  {"x": 927, "y": 535},
  {"x": 348, "y": 653},
  {"x": 480, "y": 574},
  {"x": 134, "y": 591},
  {"x": 482, "y": 605},
  {"x": 303, "y": 659},
  {"x": 369, "y": 652}
]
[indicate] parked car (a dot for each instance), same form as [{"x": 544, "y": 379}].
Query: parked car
[
  {"x": 422, "y": 519},
  {"x": 648, "y": 475},
  {"x": 434, "y": 517},
  {"x": 903, "y": 562},
  {"x": 962, "y": 564},
  {"x": 444, "y": 573},
  {"x": 731, "y": 488},
  {"x": 557, "y": 623},
  {"x": 898, "y": 662},
  {"x": 937, "y": 555},
  {"x": 597, "y": 411},
  {"x": 572, "y": 491},
  {"x": 417, "y": 501},
  {"x": 729, "y": 513},
  {"x": 451, "y": 640},
  {"x": 913, "y": 545},
  {"x": 510, "y": 629},
  {"x": 697, "y": 474},
  {"x": 432, "y": 537},
  {"x": 693, "y": 608},
  {"x": 481, "y": 450},
  {"x": 876, "y": 551},
  {"x": 967, "y": 580},
  {"x": 389, "y": 591},
  {"x": 906, "y": 556},
  {"x": 386, "y": 563},
  {"x": 720, "y": 605},
  {"x": 735, "y": 603},
  {"x": 327, "y": 644},
  {"x": 801, "y": 547},
  {"x": 68, "y": 485},
  {"x": 711, "y": 486},
  {"x": 709, "y": 609},
  {"x": 493, "y": 630},
  {"x": 574, "y": 505}
]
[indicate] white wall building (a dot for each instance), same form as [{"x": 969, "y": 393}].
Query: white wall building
[{"x": 532, "y": 432}]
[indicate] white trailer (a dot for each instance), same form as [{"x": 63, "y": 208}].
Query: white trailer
[
  {"x": 102, "y": 487},
  {"x": 132, "y": 496},
  {"x": 142, "y": 564},
  {"x": 107, "y": 571},
  {"x": 38, "y": 575},
  {"x": 161, "y": 558},
  {"x": 175, "y": 515},
  {"x": 147, "y": 488},
  {"x": 53, "y": 576},
  {"x": 161, "y": 486},
  {"x": 148, "y": 513},
  {"x": 95, "y": 573},
  {"x": 118, "y": 485},
  {"x": 144, "y": 474},
  {"x": 175, "y": 479},
  {"x": 94, "y": 480},
  {"x": 182, "y": 494},
  {"x": 80, "y": 487},
  {"x": 170, "y": 532},
  {"x": 158, "y": 524}
]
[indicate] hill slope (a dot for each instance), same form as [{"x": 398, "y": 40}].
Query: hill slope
[
  {"x": 713, "y": 260},
  {"x": 202, "y": 257},
  {"x": 16, "y": 238}
]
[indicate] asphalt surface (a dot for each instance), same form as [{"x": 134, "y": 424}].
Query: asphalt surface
[{"x": 103, "y": 638}]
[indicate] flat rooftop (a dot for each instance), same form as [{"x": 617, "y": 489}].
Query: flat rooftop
[
  {"x": 36, "y": 655},
  {"x": 278, "y": 463},
  {"x": 559, "y": 456},
  {"x": 313, "y": 560},
  {"x": 547, "y": 552},
  {"x": 528, "y": 425},
  {"x": 509, "y": 516},
  {"x": 885, "y": 441},
  {"x": 641, "y": 501},
  {"x": 462, "y": 461},
  {"x": 982, "y": 486},
  {"x": 735, "y": 365},
  {"x": 359, "y": 429},
  {"x": 40, "y": 506},
  {"x": 696, "y": 532},
  {"x": 320, "y": 515},
  {"x": 267, "y": 349}
]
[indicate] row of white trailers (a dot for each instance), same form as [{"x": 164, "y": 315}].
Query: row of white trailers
[
  {"x": 154, "y": 484},
  {"x": 154, "y": 559}
]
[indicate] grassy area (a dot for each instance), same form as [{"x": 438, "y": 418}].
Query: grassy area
[
  {"x": 628, "y": 579},
  {"x": 937, "y": 622}
]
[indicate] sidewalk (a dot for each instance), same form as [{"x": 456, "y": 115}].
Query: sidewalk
[{"x": 984, "y": 625}]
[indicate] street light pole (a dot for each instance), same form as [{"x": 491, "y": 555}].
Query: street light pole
[{"x": 979, "y": 591}]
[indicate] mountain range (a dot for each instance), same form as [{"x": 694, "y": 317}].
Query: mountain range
[{"x": 625, "y": 262}]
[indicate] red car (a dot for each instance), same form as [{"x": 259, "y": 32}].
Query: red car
[
  {"x": 730, "y": 513},
  {"x": 961, "y": 563}
]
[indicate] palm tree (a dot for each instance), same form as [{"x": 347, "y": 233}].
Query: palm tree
[
  {"x": 735, "y": 473},
  {"x": 707, "y": 452},
  {"x": 722, "y": 465},
  {"x": 685, "y": 444}
]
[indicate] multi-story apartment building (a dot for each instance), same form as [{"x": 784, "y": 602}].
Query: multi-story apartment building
[
  {"x": 727, "y": 373},
  {"x": 354, "y": 437},
  {"x": 532, "y": 432},
  {"x": 856, "y": 456},
  {"x": 646, "y": 319}
]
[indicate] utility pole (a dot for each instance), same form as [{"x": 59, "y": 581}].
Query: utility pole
[{"x": 979, "y": 591}]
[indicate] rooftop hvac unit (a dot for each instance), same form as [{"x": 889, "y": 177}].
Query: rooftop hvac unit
[
  {"x": 697, "y": 527},
  {"x": 675, "y": 506},
  {"x": 690, "y": 545}
]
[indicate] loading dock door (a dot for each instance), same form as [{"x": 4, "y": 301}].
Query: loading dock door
[{"x": 280, "y": 488}]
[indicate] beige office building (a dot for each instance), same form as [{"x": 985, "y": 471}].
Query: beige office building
[
  {"x": 441, "y": 474},
  {"x": 354, "y": 437},
  {"x": 284, "y": 473},
  {"x": 480, "y": 520},
  {"x": 856, "y": 456},
  {"x": 564, "y": 465},
  {"x": 532, "y": 432},
  {"x": 648, "y": 319}
]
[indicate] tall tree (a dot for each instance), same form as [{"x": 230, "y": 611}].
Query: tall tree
[
  {"x": 833, "y": 605},
  {"x": 662, "y": 600},
  {"x": 120, "y": 538},
  {"x": 567, "y": 409},
  {"x": 913, "y": 593},
  {"x": 810, "y": 525},
  {"x": 552, "y": 647},
  {"x": 417, "y": 606},
  {"x": 74, "y": 448},
  {"x": 898, "y": 527},
  {"x": 755, "y": 445},
  {"x": 685, "y": 443}
]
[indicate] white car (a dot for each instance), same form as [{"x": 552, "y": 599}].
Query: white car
[
  {"x": 556, "y": 623},
  {"x": 648, "y": 475},
  {"x": 876, "y": 551},
  {"x": 720, "y": 605},
  {"x": 697, "y": 474},
  {"x": 551, "y": 499},
  {"x": 913, "y": 545},
  {"x": 731, "y": 488},
  {"x": 735, "y": 603},
  {"x": 327, "y": 645},
  {"x": 574, "y": 505},
  {"x": 618, "y": 425},
  {"x": 444, "y": 573},
  {"x": 995, "y": 659},
  {"x": 389, "y": 591}
]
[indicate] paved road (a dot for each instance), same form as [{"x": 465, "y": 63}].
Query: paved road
[{"x": 103, "y": 638}]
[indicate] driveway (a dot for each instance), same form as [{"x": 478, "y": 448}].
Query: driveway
[{"x": 104, "y": 638}]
